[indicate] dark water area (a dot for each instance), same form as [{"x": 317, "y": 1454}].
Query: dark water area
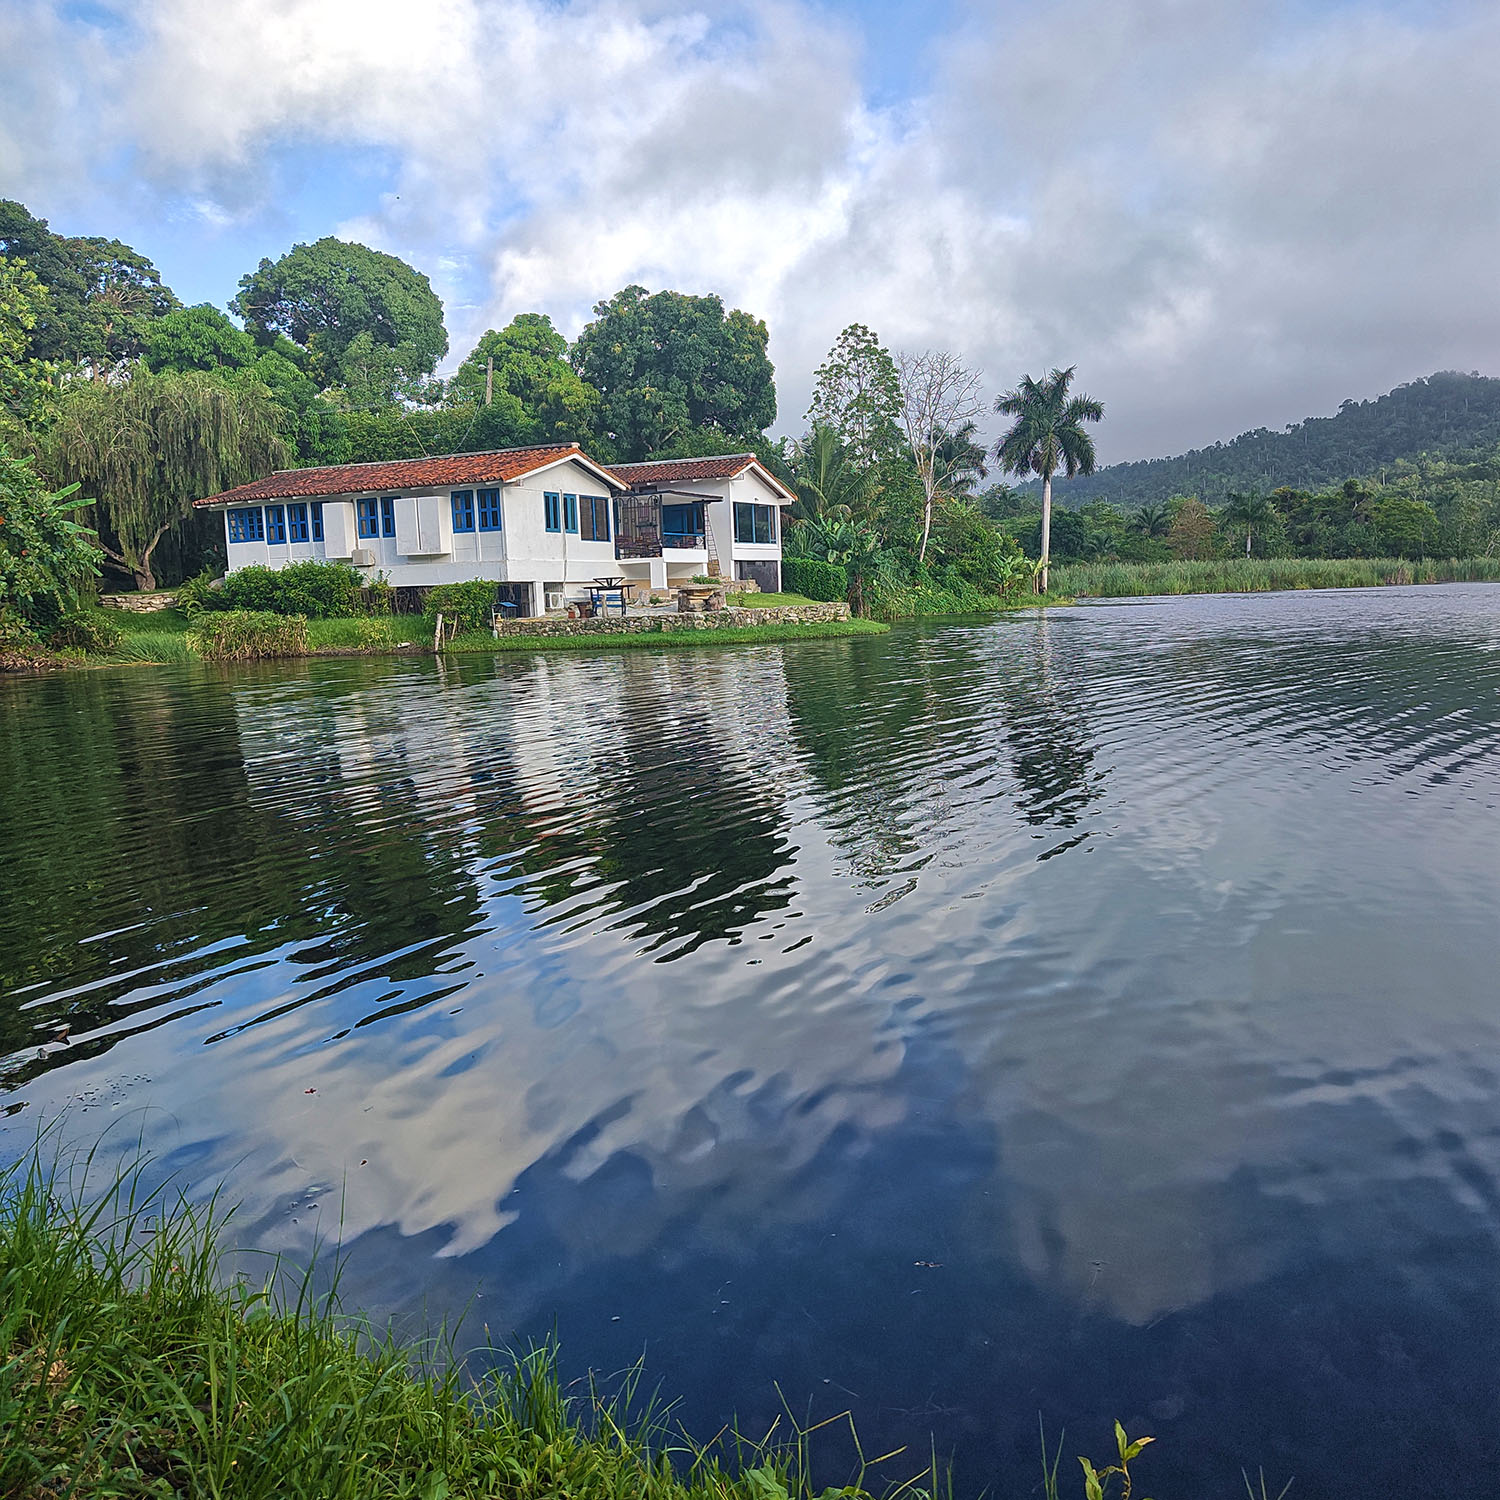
[{"x": 1089, "y": 1016}]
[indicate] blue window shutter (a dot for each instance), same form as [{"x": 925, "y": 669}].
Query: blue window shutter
[
  {"x": 570, "y": 513},
  {"x": 463, "y": 510},
  {"x": 552, "y": 510},
  {"x": 388, "y": 515},
  {"x": 317, "y": 521}
]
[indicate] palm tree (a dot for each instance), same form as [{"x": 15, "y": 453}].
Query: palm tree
[
  {"x": 829, "y": 483},
  {"x": 1152, "y": 519},
  {"x": 1253, "y": 512},
  {"x": 1047, "y": 434},
  {"x": 959, "y": 459}
]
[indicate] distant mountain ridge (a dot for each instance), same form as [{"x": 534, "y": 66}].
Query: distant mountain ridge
[{"x": 1446, "y": 413}]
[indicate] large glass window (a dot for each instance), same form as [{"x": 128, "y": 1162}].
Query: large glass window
[
  {"x": 367, "y": 514},
  {"x": 246, "y": 526},
  {"x": 296, "y": 523},
  {"x": 594, "y": 521},
  {"x": 552, "y": 511},
  {"x": 463, "y": 510},
  {"x": 489, "y": 510},
  {"x": 317, "y": 521},
  {"x": 754, "y": 523},
  {"x": 388, "y": 515},
  {"x": 570, "y": 513},
  {"x": 682, "y": 525},
  {"x": 275, "y": 523}
]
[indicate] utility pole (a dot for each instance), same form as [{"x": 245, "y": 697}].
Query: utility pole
[{"x": 489, "y": 380}]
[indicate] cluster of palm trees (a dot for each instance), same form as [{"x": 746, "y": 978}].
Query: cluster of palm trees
[{"x": 1047, "y": 436}]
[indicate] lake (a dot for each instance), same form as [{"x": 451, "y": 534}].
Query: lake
[{"x": 1087, "y": 1016}]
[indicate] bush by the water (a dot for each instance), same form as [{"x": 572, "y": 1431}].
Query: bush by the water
[
  {"x": 315, "y": 590},
  {"x": 48, "y": 561},
  {"x": 86, "y": 630},
  {"x": 132, "y": 1365},
  {"x": 244, "y": 635},
  {"x": 468, "y": 603},
  {"x": 1263, "y": 575},
  {"x": 814, "y": 579}
]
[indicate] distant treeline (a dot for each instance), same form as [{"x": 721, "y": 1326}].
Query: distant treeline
[{"x": 1445, "y": 414}]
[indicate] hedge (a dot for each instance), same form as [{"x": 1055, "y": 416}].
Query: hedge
[
  {"x": 315, "y": 590},
  {"x": 824, "y": 581}
]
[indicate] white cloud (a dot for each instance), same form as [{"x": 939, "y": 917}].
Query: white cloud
[{"x": 1224, "y": 215}]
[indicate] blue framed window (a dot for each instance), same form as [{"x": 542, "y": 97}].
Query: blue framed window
[
  {"x": 489, "y": 510},
  {"x": 594, "y": 521},
  {"x": 317, "y": 521},
  {"x": 552, "y": 510},
  {"x": 570, "y": 513},
  {"x": 388, "y": 515},
  {"x": 367, "y": 515},
  {"x": 296, "y": 523},
  {"x": 246, "y": 526},
  {"x": 463, "y": 510},
  {"x": 682, "y": 525},
  {"x": 754, "y": 523},
  {"x": 276, "y": 523}
]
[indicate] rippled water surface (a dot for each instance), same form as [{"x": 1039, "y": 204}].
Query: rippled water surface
[{"x": 1091, "y": 1016}]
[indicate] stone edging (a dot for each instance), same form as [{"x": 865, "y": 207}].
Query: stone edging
[{"x": 667, "y": 624}]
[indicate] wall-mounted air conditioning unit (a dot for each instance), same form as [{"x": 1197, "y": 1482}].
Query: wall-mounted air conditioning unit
[
  {"x": 554, "y": 599},
  {"x": 363, "y": 557}
]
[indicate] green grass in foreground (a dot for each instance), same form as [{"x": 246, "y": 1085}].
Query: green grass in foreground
[
  {"x": 1263, "y": 575},
  {"x": 765, "y": 601},
  {"x": 130, "y": 1366}
]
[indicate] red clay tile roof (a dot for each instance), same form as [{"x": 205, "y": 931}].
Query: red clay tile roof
[
  {"x": 444, "y": 472},
  {"x": 677, "y": 470}
]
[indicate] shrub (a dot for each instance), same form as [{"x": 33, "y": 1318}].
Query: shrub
[
  {"x": 194, "y": 594},
  {"x": 244, "y": 635},
  {"x": 469, "y": 603},
  {"x": 93, "y": 632},
  {"x": 48, "y": 561},
  {"x": 825, "y": 581},
  {"x": 315, "y": 590}
]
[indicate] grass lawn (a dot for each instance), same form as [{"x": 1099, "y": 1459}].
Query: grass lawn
[{"x": 765, "y": 601}]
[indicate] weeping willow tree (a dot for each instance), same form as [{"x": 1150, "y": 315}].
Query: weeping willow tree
[{"x": 145, "y": 448}]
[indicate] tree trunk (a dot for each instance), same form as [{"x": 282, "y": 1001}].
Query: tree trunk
[
  {"x": 1046, "y": 528},
  {"x": 1247, "y": 544},
  {"x": 926, "y": 526}
]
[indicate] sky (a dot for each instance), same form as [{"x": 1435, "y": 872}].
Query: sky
[{"x": 1226, "y": 213}]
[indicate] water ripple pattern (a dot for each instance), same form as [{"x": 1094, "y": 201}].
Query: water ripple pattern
[{"x": 1090, "y": 1013}]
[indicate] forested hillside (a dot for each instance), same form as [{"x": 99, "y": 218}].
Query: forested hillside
[{"x": 1445, "y": 413}]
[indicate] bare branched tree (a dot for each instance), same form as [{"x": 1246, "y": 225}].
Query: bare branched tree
[{"x": 939, "y": 394}]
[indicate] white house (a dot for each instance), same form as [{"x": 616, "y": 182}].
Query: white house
[
  {"x": 541, "y": 522},
  {"x": 687, "y": 516}
]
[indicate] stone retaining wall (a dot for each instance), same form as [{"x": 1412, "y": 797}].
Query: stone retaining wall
[
  {"x": 138, "y": 604},
  {"x": 718, "y": 619}
]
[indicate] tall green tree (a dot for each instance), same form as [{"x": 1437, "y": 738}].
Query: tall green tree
[
  {"x": 23, "y": 299},
  {"x": 370, "y": 321},
  {"x": 197, "y": 338},
  {"x": 669, "y": 364},
  {"x": 102, "y": 294},
  {"x": 526, "y": 362},
  {"x": 1252, "y": 512},
  {"x": 1046, "y": 435},
  {"x": 144, "y": 449},
  {"x": 857, "y": 393}
]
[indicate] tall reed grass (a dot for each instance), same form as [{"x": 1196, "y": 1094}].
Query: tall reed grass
[
  {"x": 1264, "y": 575},
  {"x": 247, "y": 635}
]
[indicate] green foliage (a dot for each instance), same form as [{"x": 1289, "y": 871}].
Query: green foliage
[
  {"x": 1444, "y": 415},
  {"x": 315, "y": 590},
  {"x": 144, "y": 449},
  {"x": 469, "y": 603},
  {"x": 1237, "y": 575},
  {"x": 90, "y": 630},
  {"x": 399, "y": 432},
  {"x": 197, "y": 593},
  {"x": 101, "y": 294},
  {"x": 830, "y": 482},
  {"x": 23, "y": 299},
  {"x": 816, "y": 578},
  {"x": 369, "y": 320},
  {"x": 197, "y": 338},
  {"x": 246, "y": 635},
  {"x": 551, "y": 403},
  {"x": 48, "y": 561},
  {"x": 857, "y": 396},
  {"x": 669, "y": 362}
]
